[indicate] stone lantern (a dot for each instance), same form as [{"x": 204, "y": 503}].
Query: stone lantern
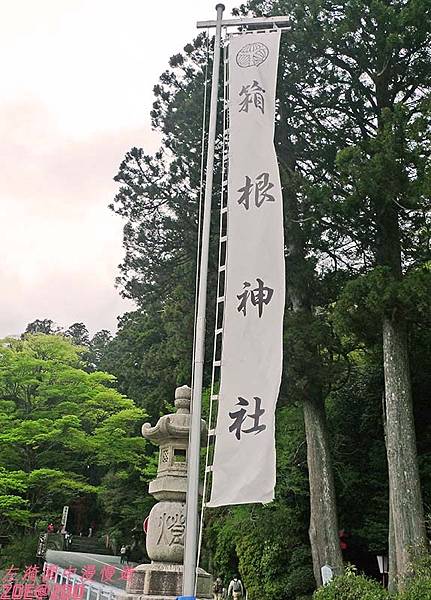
[{"x": 162, "y": 578}]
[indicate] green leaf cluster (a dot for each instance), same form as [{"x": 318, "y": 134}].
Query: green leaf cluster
[
  {"x": 64, "y": 431},
  {"x": 351, "y": 587}
]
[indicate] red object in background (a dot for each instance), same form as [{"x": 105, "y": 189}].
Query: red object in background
[
  {"x": 146, "y": 525},
  {"x": 342, "y": 537}
]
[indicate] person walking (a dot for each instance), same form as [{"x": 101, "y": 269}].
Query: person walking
[
  {"x": 235, "y": 589},
  {"x": 218, "y": 589},
  {"x": 123, "y": 554}
]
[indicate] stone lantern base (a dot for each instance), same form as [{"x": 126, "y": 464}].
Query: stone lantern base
[{"x": 162, "y": 581}]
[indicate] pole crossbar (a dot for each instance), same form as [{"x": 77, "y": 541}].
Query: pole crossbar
[{"x": 247, "y": 22}]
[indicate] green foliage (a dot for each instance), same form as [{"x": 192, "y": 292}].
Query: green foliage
[
  {"x": 359, "y": 455},
  {"x": 124, "y": 501},
  {"x": 158, "y": 198},
  {"x": 351, "y": 587},
  {"x": 419, "y": 589},
  {"x": 365, "y": 300},
  {"x": 419, "y": 586},
  {"x": 267, "y": 544},
  {"x": 62, "y": 431},
  {"x": 78, "y": 334},
  {"x": 353, "y": 142},
  {"x": 20, "y": 552},
  {"x": 46, "y": 326},
  {"x": 147, "y": 364},
  {"x": 262, "y": 544}
]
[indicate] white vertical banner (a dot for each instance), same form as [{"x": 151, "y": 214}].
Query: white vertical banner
[
  {"x": 252, "y": 351},
  {"x": 64, "y": 517}
]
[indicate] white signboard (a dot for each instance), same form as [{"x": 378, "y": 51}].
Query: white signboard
[
  {"x": 244, "y": 459},
  {"x": 327, "y": 574},
  {"x": 64, "y": 516},
  {"x": 383, "y": 564}
]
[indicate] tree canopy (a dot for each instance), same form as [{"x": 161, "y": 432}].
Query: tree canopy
[{"x": 64, "y": 433}]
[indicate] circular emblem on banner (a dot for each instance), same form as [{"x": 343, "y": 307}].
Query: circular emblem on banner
[{"x": 252, "y": 55}]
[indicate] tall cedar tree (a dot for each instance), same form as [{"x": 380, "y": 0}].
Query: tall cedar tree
[
  {"x": 371, "y": 72},
  {"x": 158, "y": 198}
]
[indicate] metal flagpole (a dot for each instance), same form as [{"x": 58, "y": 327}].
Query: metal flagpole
[{"x": 190, "y": 546}]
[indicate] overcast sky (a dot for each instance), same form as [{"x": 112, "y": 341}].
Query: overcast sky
[{"x": 76, "y": 79}]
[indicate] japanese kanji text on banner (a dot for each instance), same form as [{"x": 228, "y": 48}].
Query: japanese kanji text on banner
[{"x": 244, "y": 455}]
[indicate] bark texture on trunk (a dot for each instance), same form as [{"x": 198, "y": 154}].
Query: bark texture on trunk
[
  {"x": 392, "y": 558},
  {"x": 409, "y": 535},
  {"x": 406, "y": 525},
  {"x": 323, "y": 531}
]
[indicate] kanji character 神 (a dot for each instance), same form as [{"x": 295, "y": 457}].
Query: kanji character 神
[{"x": 259, "y": 296}]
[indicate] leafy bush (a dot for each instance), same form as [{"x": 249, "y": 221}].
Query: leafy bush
[
  {"x": 20, "y": 552},
  {"x": 419, "y": 587},
  {"x": 351, "y": 587}
]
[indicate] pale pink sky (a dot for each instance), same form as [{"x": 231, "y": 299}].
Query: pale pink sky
[{"x": 76, "y": 79}]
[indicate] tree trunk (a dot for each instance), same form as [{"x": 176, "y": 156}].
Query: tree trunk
[
  {"x": 407, "y": 534},
  {"x": 392, "y": 555},
  {"x": 323, "y": 531},
  {"x": 405, "y": 493}
]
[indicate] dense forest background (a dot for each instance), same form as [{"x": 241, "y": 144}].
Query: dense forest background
[{"x": 353, "y": 139}]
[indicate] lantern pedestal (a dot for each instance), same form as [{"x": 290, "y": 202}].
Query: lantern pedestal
[{"x": 162, "y": 581}]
